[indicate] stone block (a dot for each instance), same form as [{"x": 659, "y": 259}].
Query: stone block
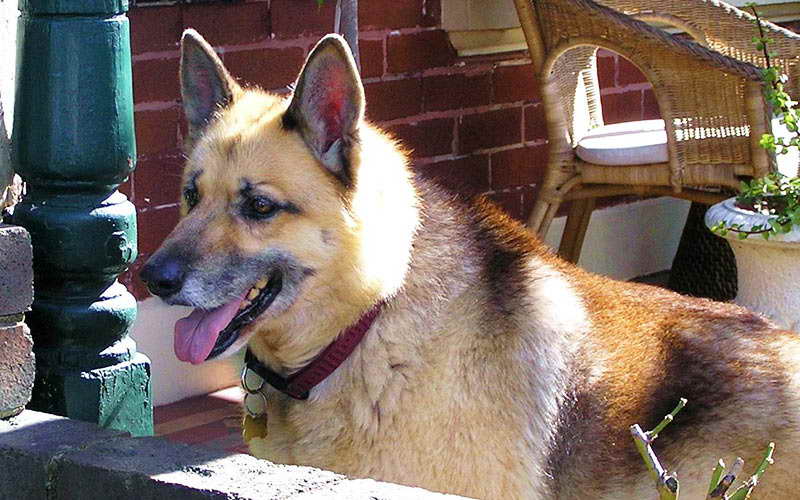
[
  {"x": 16, "y": 270},
  {"x": 17, "y": 368},
  {"x": 56, "y": 458},
  {"x": 30, "y": 444}
]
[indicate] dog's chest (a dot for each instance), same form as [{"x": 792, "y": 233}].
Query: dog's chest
[{"x": 445, "y": 450}]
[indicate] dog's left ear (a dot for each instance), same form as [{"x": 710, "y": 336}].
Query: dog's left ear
[
  {"x": 328, "y": 105},
  {"x": 206, "y": 86}
]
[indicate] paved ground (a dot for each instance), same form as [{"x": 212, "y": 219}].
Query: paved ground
[{"x": 213, "y": 421}]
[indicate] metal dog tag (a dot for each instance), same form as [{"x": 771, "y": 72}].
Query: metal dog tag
[
  {"x": 255, "y": 404},
  {"x": 255, "y": 401}
]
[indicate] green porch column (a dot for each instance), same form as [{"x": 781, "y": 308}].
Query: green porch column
[{"x": 74, "y": 145}]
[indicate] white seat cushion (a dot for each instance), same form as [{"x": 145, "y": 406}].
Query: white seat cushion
[{"x": 627, "y": 143}]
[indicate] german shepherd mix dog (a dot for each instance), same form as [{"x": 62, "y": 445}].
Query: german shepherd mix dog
[{"x": 473, "y": 361}]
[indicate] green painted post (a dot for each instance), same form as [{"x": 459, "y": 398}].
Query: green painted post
[{"x": 74, "y": 145}]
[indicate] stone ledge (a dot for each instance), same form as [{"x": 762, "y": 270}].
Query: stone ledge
[
  {"x": 45, "y": 456},
  {"x": 17, "y": 368},
  {"x": 16, "y": 270}
]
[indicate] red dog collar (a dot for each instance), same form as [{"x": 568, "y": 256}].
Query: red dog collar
[{"x": 298, "y": 384}]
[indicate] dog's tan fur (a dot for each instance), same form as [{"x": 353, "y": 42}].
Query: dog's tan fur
[{"x": 495, "y": 369}]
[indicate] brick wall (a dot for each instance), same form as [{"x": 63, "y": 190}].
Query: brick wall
[{"x": 475, "y": 124}]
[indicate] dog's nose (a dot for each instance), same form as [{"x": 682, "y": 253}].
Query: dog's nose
[{"x": 163, "y": 277}]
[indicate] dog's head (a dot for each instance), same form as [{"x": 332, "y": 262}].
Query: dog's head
[{"x": 273, "y": 221}]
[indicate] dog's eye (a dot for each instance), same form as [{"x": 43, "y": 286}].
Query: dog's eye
[
  {"x": 191, "y": 196},
  {"x": 261, "y": 208}
]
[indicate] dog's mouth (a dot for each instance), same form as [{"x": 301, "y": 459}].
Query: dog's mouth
[{"x": 205, "y": 334}]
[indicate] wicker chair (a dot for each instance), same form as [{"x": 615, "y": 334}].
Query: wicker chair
[{"x": 710, "y": 100}]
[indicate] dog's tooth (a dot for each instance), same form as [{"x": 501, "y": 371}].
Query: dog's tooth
[
  {"x": 262, "y": 283},
  {"x": 253, "y": 294}
]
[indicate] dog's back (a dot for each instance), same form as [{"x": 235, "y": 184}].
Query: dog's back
[{"x": 583, "y": 358}]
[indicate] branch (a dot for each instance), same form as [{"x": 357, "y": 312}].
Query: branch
[
  {"x": 716, "y": 477},
  {"x": 726, "y": 482},
  {"x": 666, "y": 483},
  {"x": 347, "y": 26},
  {"x": 744, "y": 491}
]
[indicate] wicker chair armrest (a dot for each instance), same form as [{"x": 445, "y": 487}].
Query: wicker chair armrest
[
  {"x": 724, "y": 28},
  {"x": 576, "y": 19}
]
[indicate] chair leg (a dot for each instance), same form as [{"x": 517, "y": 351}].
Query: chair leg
[
  {"x": 542, "y": 215},
  {"x": 580, "y": 211}
]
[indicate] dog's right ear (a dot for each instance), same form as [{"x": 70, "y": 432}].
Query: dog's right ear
[
  {"x": 327, "y": 107},
  {"x": 206, "y": 86}
]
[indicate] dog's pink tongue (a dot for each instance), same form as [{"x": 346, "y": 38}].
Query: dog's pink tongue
[{"x": 196, "y": 334}]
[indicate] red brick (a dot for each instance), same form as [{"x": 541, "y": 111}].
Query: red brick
[
  {"x": 622, "y": 107},
  {"x": 515, "y": 83},
  {"x": 131, "y": 280},
  {"x": 156, "y": 131},
  {"x": 228, "y": 23},
  {"x": 393, "y": 99},
  {"x": 158, "y": 181},
  {"x": 393, "y": 15},
  {"x": 510, "y": 202},
  {"x": 427, "y": 138},
  {"x": 433, "y": 13},
  {"x": 606, "y": 69},
  {"x": 650, "y": 106},
  {"x": 156, "y": 80},
  {"x": 267, "y": 68},
  {"x": 418, "y": 51},
  {"x": 372, "y": 57},
  {"x": 535, "y": 123},
  {"x": 468, "y": 176},
  {"x": 154, "y": 226},
  {"x": 155, "y": 29},
  {"x": 490, "y": 129},
  {"x": 518, "y": 167},
  {"x": 456, "y": 91},
  {"x": 292, "y": 18},
  {"x": 628, "y": 73},
  {"x": 137, "y": 289}
]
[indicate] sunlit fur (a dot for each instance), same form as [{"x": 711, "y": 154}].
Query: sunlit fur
[{"x": 495, "y": 369}]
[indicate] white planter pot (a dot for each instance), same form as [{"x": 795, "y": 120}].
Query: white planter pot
[{"x": 768, "y": 270}]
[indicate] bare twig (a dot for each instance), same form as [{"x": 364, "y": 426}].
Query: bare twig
[
  {"x": 727, "y": 480},
  {"x": 716, "y": 477},
  {"x": 666, "y": 484},
  {"x": 744, "y": 491},
  {"x": 667, "y": 420},
  {"x": 347, "y": 25}
]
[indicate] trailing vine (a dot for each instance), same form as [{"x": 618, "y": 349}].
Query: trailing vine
[{"x": 775, "y": 195}]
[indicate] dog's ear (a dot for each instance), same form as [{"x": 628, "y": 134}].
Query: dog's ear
[
  {"x": 328, "y": 105},
  {"x": 206, "y": 86}
]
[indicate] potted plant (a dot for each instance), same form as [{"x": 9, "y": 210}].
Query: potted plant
[{"x": 762, "y": 223}]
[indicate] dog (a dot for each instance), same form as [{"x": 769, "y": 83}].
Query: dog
[{"x": 475, "y": 362}]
